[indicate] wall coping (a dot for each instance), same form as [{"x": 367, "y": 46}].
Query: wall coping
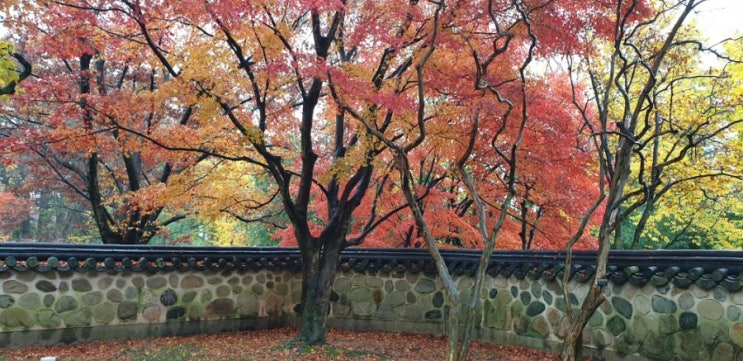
[{"x": 683, "y": 268}]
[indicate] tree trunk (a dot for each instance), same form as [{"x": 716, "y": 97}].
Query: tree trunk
[
  {"x": 573, "y": 344},
  {"x": 318, "y": 274},
  {"x": 461, "y": 323}
]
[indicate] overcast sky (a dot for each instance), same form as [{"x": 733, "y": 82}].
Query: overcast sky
[{"x": 720, "y": 19}]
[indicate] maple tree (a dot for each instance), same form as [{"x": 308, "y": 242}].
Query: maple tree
[
  {"x": 477, "y": 131},
  {"x": 629, "y": 97},
  {"x": 263, "y": 118},
  {"x": 550, "y": 199},
  {"x": 63, "y": 120},
  {"x": 651, "y": 109},
  {"x": 275, "y": 114}
]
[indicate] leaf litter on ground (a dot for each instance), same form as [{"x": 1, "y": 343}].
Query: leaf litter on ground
[{"x": 276, "y": 344}]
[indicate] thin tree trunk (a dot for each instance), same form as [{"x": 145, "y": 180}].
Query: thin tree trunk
[
  {"x": 573, "y": 344},
  {"x": 461, "y": 323}
]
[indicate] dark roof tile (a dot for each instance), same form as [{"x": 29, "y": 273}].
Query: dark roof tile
[{"x": 707, "y": 269}]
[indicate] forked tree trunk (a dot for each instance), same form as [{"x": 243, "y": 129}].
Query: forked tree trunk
[{"x": 573, "y": 344}]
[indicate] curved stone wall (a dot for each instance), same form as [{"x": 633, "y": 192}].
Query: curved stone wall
[
  {"x": 648, "y": 322},
  {"x": 689, "y": 315}
]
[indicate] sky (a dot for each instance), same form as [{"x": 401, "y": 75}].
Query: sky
[{"x": 720, "y": 19}]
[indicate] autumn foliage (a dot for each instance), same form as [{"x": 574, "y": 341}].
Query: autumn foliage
[
  {"x": 337, "y": 123},
  {"x": 155, "y": 112}
]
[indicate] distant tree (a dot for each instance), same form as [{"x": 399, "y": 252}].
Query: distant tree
[
  {"x": 694, "y": 198},
  {"x": 61, "y": 125}
]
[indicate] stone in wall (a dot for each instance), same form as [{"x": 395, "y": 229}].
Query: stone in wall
[
  {"x": 688, "y": 321},
  {"x": 736, "y": 334},
  {"x": 29, "y": 301},
  {"x": 195, "y": 312},
  {"x": 425, "y": 286},
  {"x": 127, "y": 310},
  {"x": 81, "y": 285},
  {"x": 733, "y": 313},
  {"x": 65, "y": 303},
  {"x": 274, "y": 304},
  {"x": 409, "y": 312},
  {"x": 219, "y": 308},
  {"x": 176, "y": 314},
  {"x": 156, "y": 282},
  {"x": 6, "y": 301},
  {"x": 78, "y": 317},
  {"x": 169, "y": 297},
  {"x": 723, "y": 351},
  {"x": 395, "y": 299},
  {"x": 223, "y": 291},
  {"x": 14, "y": 287},
  {"x": 104, "y": 314},
  {"x": 710, "y": 309},
  {"x": 385, "y": 312},
  {"x": 247, "y": 304},
  {"x": 622, "y": 306},
  {"x": 363, "y": 309},
  {"x": 45, "y": 286},
  {"x": 16, "y": 318},
  {"x": 191, "y": 281},
  {"x": 151, "y": 313},
  {"x": 48, "y": 319}
]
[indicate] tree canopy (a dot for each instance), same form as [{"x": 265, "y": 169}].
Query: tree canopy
[
  {"x": 334, "y": 123},
  {"x": 183, "y": 99}
]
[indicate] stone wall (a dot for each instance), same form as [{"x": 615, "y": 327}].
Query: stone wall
[
  {"x": 649, "y": 321},
  {"x": 109, "y": 305}
]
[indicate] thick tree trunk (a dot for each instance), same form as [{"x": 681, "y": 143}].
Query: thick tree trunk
[
  {"x": 315, "y": 308},
  {"x": 318, "y": 274}
]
